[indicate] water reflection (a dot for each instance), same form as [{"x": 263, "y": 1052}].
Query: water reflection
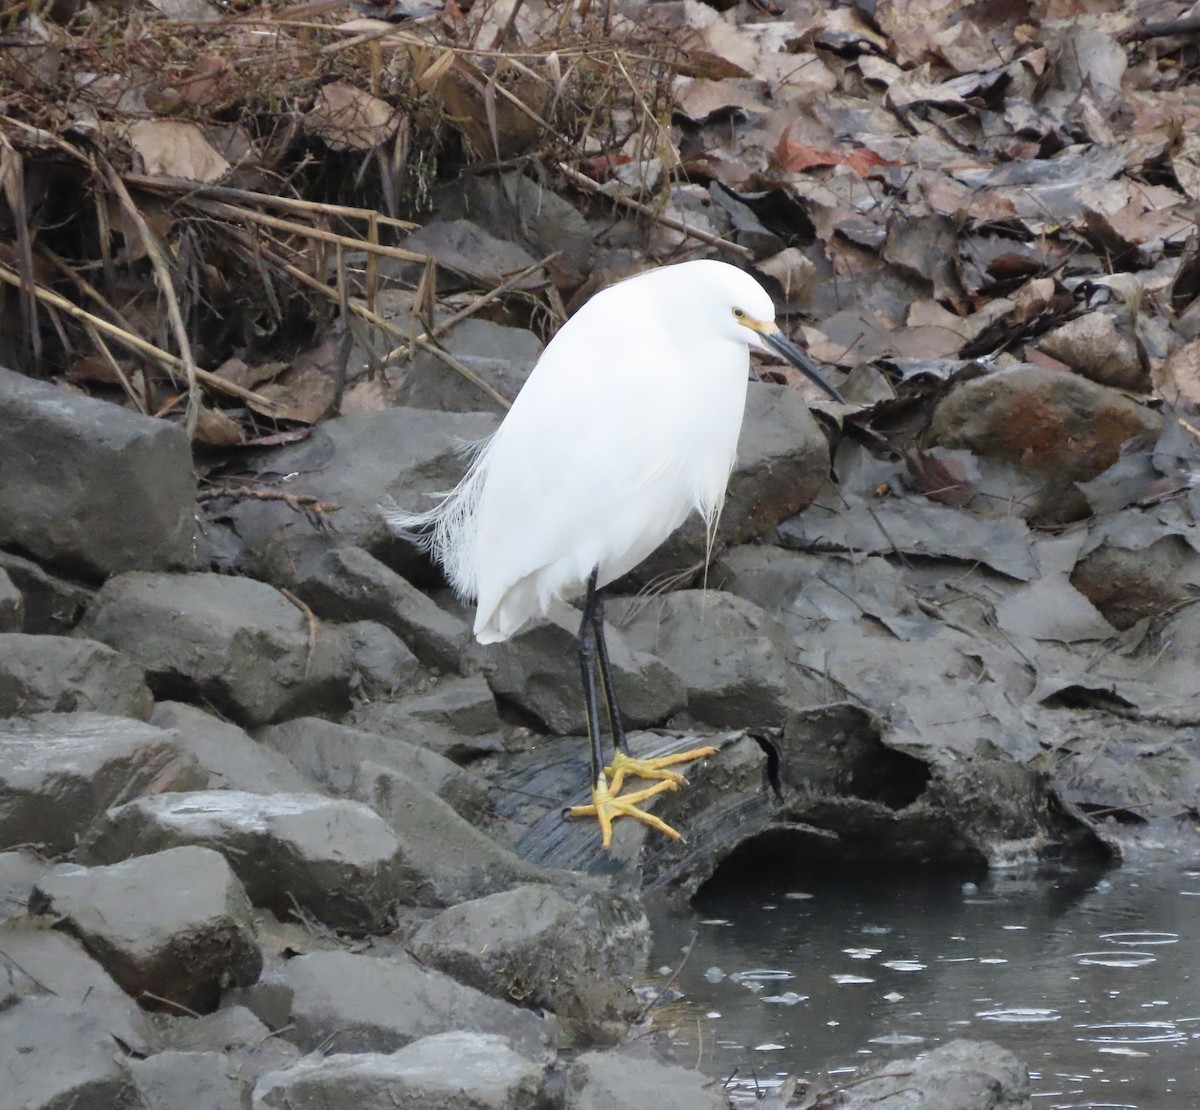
[{"x": 1088, "y": 978}]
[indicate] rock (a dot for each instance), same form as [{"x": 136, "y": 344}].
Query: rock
[
  {"x": 18, "y": 872},
  {"x": 361, "y": 1003},
  {"x": 59, "y": 772},
  {"x": 1050, "y": 429},
  {"x": 332, "y": 859},
  {"x": 464, "y": 248},
  {"x": 961, "y": 1075},
  {"x": 1093, "y": 345},
  {"x": 54, "y": 674},
  {"x": 538, "y": 671},
  {"x": 198, "y": 1080},
  {"x": 499, "y": 356},
  {"x": 443, "y": 859},
  {"x": 244, "y": 1045},
  {"x": 615, "y": 1081},
  {"x": 236, "y": 644},
  {"x": 58, "y": 1057},
  {"x": 179, "y": 950},
  {"x": 230, "y": 758},
  {"x": 331, "y": 754},
  {"x": 52, "y": 605},
  {"x": 347, "y": 584},
  {"x": 91, "y": 487},
  {"x": 734, "y": 657},
  {"x": 384, "y": 666},
  {"x": 12, "y": 605},
  {"x": 449, "y": 1071},
  {"x": 782, "y": 463},
  {"x": 531, "y": 946}
]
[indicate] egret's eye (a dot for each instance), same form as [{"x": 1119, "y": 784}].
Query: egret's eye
[{"x": 739, "y": 314}]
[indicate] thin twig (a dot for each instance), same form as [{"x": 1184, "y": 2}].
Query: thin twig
[{"x": 311, "y": 618}]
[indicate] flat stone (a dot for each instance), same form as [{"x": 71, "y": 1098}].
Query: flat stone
[
  {"x": 196, "y": 1080},
  {"x": 443, "y": 858},
  {"x": 362, "y": 1003},
  {"x": 532, "y": 946},
  {"x": 614, "y": 1081},
  {"x": 449, "y": 1071},
  {"x": 171, "y": 951},
  {"x": 244, "y": 1044},
  {"x": 234, "y": 643},
  {"x": 54, "y": 674},
  {"x": 231, "y": 759},
  {"x": 539, "y": 672},
  {"x": 91, "y": 487},
  {"x": 384, "y": 665},
  {"x": 12, "y": 605},
  {"x": 59, "y": 772},
  {"x": 331, "y": 754},
  {"x": 57, "y": 1056},
  {"x": 348, "y": 584},
  {"x": 333, "y": 859},
  {"x": 463, "y": 247},
  {"x": 52, "y": 604}
]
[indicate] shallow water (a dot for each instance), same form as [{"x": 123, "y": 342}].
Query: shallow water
[{"x": 1093, "y": 980}]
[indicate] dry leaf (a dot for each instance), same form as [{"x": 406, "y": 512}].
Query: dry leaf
[
  {"x": 176, "y": 149},
  {"x": 349, "y": 119},
  {"x": 1177, "y": 380}
]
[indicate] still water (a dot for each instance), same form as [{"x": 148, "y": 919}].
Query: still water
[{"x": 1093, "y": 980}]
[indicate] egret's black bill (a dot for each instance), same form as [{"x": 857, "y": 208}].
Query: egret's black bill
[{"x": 777, "y": 341}]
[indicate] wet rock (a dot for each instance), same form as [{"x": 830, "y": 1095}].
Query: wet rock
[
  {"x": 1096, "y": 347},
  {"x": 961, "y": 1075},
  {"x": 234, "y": 643},
  {"x": 57, "y": 1056},
  {"x": 499, "y": 356},
  {"x": 179, "y": 950},
  {"x": 464, "y": 248},
  {"x": 782, "y": 463},
  {"x": 54, "y": 674},
  {"x": 332, "y": 859},
  {"x": 59, "y": 772},
  {"x": 538, "y": 671},
  {"x": 531, "y": 946},
  {"x": 449, "y": 1071},
  {"x": 361, "y": 1003},
  {"x": 231, "y": 759},
  {"x": 443, "y": 859},
  {"x": 52, "y": 605},
  {"x": 12, "y": 605},
  {"x": 1047, "y": 427},
  {"x": 350, "y": 585},
  {"x": 331, "y": 754},
  {"x": 91, "y": 487},
  {"x": 614, "y": 1081},
  {"x": 733, "y": 656},
  {"x": 383, "y": 664},
  {"x": 199, "y": 1080}
]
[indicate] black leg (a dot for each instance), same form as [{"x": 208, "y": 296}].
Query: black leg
[
  {"x": 587, "y": 671},
  {"x": 610, "y": 693}
]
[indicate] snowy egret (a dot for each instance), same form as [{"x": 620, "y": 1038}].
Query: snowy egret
[{"x": 628, "y": 422}]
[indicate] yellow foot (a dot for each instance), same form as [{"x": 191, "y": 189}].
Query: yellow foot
[
  {"x": 623, "y": 765},
  {"x": 606, "y": 807}
]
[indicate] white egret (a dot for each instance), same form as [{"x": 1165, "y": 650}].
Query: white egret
[{"x": 628, "y": 423}]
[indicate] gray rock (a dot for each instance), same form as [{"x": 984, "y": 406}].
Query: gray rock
[
  {"x": 448, "y": 1071},
  {"x": 1097, "y": 347},
  {"x": 961, "y": 1075},
  {"x": 502, "y": 357},
  {"x": 18, "y": 872},
  {"x": 532, "y": 946},
  {"x": 52, "y": 605},
  {"x": 231, "y": 759},
  {"x": 59, "y": 772},
  {"x": 443, "y": 858},
  {"x": 360, "y": 1003},
  {"x": 195, "y": 1080},
  {"x": 538, "y": 671},
  {"x": 92, "y": 487},
  {"x": 179, "y": 950},
  {"x": 12, "y": 605},
  {"x": 384, "y": 665},
  {"x": 246, "y": 1045},
  {"x": 733, "y": 656},
  {"x": 331, "y": 754},
  {"x": 54, "y": 674},
  {"x": 348, "y": 584},
  {"x": 463, "y": 247},
  {"x": 58, "y": 1057},
  {"x": 614, "y": 1081},
  {"x": 332, "y": 859},
  {"x": 237, "y": 644}
]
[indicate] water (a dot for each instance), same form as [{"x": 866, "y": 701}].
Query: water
[{"x": 1092, "y": 980}]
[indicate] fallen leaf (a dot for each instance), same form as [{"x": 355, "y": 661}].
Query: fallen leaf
[
  {"x": 349, "y": 119},
  {"x": 176, "y": 149}
]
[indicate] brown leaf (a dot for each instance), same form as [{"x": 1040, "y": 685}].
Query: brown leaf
[
  {"x": 217, "y": 429},
  {"x": 792, "y": 157},
  {"x": 939, "y": 479},
  {"x": 1177, "y": 381},
  {"x": 349, "y": 119},
  {"x": 176, "y": 149}
]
